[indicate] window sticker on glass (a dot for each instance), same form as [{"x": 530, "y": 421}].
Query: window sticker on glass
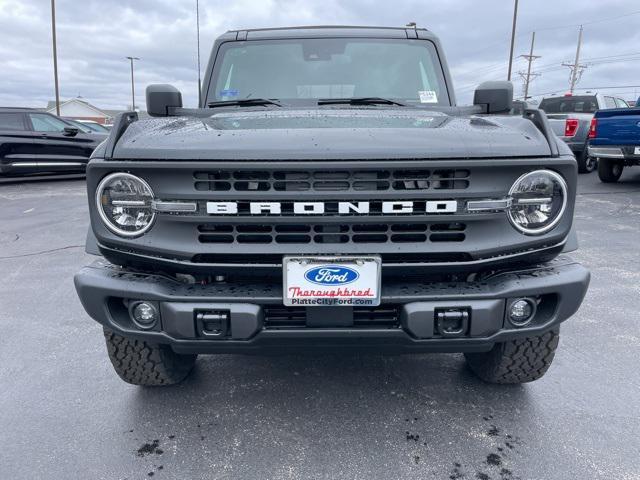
[
  {"x": 428, "y": 96},
  {"x": 229, "y": 93}
]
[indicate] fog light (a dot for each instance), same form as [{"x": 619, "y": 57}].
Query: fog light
[
  {"x": 521, "y": 312},
  {"x": 144, "y": 315}
]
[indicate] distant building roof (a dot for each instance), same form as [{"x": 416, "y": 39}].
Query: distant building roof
[
  {"x": 92, "y": 109},
  {"x": 141, "y": 113},
  {"x": 75, "y": 104}
]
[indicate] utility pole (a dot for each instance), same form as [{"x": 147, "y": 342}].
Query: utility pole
[
  {"x": 133, "y": 89},
  {"x": 530, "y": 58},
  {"x": 513, "y": 38},
  {"x": 576, "y": 67},
  {"x": 198, "y": 39},
  {"x": 55, "y": 55}
]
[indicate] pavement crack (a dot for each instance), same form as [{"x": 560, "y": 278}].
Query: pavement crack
[{"x": 41, "y": 252}]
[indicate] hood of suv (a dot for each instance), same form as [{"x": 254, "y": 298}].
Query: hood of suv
[{"x": 330, "y": 133}]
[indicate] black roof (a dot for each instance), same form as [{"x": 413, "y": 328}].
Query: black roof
[
  {"x": 313, "y": 27},
  {"x": 330, "y": 31}
]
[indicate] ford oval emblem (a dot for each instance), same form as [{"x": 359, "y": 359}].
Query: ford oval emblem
[{"x": 331, "y": 275}]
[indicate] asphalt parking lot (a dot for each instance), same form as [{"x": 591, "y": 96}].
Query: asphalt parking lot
[{"x": 64, "y": 414}]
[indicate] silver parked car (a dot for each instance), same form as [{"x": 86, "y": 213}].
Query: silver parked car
[{"x": 570, "y": 117}]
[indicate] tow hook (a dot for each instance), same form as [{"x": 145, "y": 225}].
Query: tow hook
[
  {"x": 212, "y": 323},
  {"x": 452, "y": 322}
]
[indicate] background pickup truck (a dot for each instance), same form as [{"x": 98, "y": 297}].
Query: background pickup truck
[
  {"x": 570, "y": 117},
  {"x": 614, "y": 139}
]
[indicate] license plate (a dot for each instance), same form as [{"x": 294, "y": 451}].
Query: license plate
[
  {"x": 338, "y": 281},
  {"x": 637, "y": 151}
]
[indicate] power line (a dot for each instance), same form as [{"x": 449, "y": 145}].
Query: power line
[
  {"x": 593, "y": 22},
  {"x": 478, "y": 74},
  {"x": 556, "y": 67},
  {"x": 493, "y": 45},
  {"x": 577, "y": 68},
  {"x": 592, "y": 60},
  {"x": 612, "y": 56},
  {"x": 547, "y": 68},
  {"x": 557, "y": 27},
  {"x": 492, "y": 73}
]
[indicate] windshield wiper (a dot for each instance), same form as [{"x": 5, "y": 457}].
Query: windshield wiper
[
  {"x": 246, "y": 102},
  {"x": 360, "y": 101}
]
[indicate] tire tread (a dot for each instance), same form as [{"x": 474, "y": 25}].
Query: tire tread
[
  {"x": 516, "y": 361},
  {"x": 140, "y": 363}
]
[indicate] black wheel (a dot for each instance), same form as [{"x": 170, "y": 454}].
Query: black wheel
[
  {"x": 140, "y": 363},
  {"x": 609, "y": 170},
  {"x": 586, "y": 164},
  {"x": 517, "y": 361}
]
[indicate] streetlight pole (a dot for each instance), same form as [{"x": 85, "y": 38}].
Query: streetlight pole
[
  {"x": 513, "y": 38},
  {"x": 198, "y": 40},
  {"x": 55, "y": 55},
  {"x": 133, "y": 89}
]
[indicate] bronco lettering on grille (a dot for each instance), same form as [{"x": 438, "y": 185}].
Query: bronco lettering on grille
[{"x": 340, "y": 208}]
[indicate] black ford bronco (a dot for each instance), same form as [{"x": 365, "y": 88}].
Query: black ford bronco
[{"x": 329, "y": 194}]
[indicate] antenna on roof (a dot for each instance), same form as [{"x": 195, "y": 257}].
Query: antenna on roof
[{"x": 412, "y": 25}]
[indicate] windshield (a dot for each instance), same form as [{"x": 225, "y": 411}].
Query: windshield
[
  {"x": 583, "y": 104},
  {"x": 305, "y": 70}
]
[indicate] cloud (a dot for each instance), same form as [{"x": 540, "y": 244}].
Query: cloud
[{"x": 95, "y": 36}]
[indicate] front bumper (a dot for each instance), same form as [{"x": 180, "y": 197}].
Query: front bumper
[{"x": 559, "y": 286}]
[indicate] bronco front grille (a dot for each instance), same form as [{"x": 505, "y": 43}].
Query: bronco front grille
[
  {"x": 331, "y": 233},
  {"x": 331, "y": 181}
]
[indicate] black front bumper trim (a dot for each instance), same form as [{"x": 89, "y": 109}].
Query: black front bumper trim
[{"x": 562, "y": 283}]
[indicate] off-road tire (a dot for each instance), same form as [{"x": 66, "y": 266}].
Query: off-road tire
[
  {"x": 140, "y": 363},
  {"x": 586, "y": 164},
  {"x": 609, "y": 171},
  {"x": 516, "y": 361}
]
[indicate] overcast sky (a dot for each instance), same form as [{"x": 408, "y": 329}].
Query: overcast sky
[{"x": 94, "y": 36}]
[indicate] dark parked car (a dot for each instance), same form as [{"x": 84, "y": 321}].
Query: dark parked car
[{"x": 32, "y": 141}]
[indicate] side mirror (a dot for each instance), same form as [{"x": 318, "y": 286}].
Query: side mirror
[
  {"x": 161, "y": 97},
  {"x": 494, "y": 97},
  {"x": 71, "y": 131}
]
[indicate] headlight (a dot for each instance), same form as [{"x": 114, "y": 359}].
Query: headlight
[
  {"x": 538, "y": 200},
  {"x": 124, "y": 204}
]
